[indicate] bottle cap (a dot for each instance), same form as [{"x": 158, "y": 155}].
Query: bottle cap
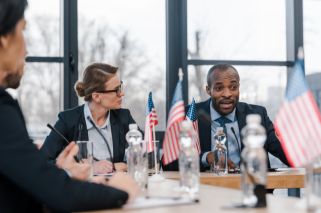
[
  {"x": 253, "y": 118},
  {"x": 133, "y": 126},
  {"x": 219, "y": 129},
  {"x": 186, "y": 125}
]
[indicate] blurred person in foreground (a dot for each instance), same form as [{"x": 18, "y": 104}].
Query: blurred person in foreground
[
  {"x": 103, "y": 92},
  {"x": 27, "y": 181}
]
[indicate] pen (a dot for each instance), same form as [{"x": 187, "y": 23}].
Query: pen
[{"x": 163, "y": 197}]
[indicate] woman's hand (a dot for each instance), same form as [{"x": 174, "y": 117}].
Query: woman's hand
[
  {"x": 102, "y": 167},
  {"x": 121, "y": 167}
]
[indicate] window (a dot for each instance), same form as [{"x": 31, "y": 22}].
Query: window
[
  {"x": 130, "y": 35},
  {"x": 312, "y": 33},
  {"x": 312, "y": 45},
  {"x": 39, "y": 96},
  {"x": 237, "y": 30},
  {"x": 43, "y": 28},
  {"x": 40, "y": 93}
]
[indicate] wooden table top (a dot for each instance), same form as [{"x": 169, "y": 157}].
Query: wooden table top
[{"x": 281, "y": 179}]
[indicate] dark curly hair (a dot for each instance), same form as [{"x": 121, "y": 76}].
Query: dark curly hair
[{"x": 11, "y": 11}]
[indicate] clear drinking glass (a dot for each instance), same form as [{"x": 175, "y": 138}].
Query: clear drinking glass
[
  {"x": 152, "y": 160},
  {"x": 85, "y": 154},
  {"x": 313, "y": 185}
]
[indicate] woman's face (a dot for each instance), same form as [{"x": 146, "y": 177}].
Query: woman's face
[
  {"x": 13, "y": 53},
  {"x": 112, "y": 100}
]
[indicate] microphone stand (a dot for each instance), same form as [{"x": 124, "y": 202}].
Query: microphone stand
[
  {"x": 155, "y": 151},
  {"x": 64, "y": 138},
  {"x": 105, "y": 140},
  {"x": 157, "y": 177}
]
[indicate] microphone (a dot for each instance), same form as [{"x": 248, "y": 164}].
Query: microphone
[
  {"x": 63, "y": 137},
  {"x": 105, "y": 140},
  {"x": 237, "y": 142},
  {"x": 58, "y": 133}
]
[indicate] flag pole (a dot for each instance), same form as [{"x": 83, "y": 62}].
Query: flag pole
[
  {"x": 155, "y": 177},
  {"x": 155, "y": 151}
]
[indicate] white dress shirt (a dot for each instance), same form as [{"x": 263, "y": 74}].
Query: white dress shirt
[{"x": 100, "y": 147}]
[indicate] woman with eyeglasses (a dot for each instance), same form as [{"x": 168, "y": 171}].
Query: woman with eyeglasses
[{"x": 100, "y": 120}]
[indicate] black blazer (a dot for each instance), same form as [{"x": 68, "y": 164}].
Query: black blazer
[
  {"x": 272, "y": 144},
  {"x": 27, "y": 180},
  {"x": 71, "y": 123}
]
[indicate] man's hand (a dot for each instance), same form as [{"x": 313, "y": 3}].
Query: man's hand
[
  {"x": 231, "y": 164},
  {"x": 126, "y": 183},
  {"x": 210, "y": 158},
  {"x": 66, "y": 161},
  {"x": 98, "y": 180},
  {"x": 103, "y": 167},
  {"x": 63, "y": 157},
  {"x": 210, "y": 161},
  {"x": 121, "y": 167}
]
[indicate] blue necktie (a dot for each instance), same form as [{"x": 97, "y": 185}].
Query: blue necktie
[{"x": 222, "y": 121}]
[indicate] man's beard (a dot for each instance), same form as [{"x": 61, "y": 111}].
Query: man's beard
[{"x": 13, "y": 80}]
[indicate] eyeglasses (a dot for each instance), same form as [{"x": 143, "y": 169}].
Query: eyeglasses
[{"x": 118, "y": 90}]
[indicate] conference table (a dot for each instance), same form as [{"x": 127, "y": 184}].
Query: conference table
[
  {"x": 283, "y": 178},
  {"x": 212, "y": 199}
]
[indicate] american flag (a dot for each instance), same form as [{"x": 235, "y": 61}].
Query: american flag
[
  {"x": 191, "y": 115},
  {"x": 151, "y": 120},
  {"x": 175, "y": 117},
  {"x": 298, "y": 122}
]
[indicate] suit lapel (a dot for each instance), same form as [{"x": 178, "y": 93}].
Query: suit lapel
[
  {"x": 204, "y": 126},
  {"x": 241, "y": 116},
  {"x": 115, "y": 131},
  {"x": 81, "y": 132}
]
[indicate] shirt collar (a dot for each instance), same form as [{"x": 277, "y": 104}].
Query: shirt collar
[
  {"x": 215, "y": 115},
  {"x": 88, "y": 113}
]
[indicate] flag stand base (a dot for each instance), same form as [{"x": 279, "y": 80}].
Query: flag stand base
[{"x": 156, "y": 178}]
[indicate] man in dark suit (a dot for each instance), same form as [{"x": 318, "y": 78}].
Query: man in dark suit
[
  {"x": 224, "y": 109},
  {"x": 223, "y": 84},
  {"x": 27, "y": 180}
]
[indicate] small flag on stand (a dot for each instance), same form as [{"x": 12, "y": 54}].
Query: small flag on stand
[
  {"x": 298, "y": 122},
  {"x": 151, "y": 122},
  {"x": 191, "y": 115},
  {"x": 175, "y": 117}
]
